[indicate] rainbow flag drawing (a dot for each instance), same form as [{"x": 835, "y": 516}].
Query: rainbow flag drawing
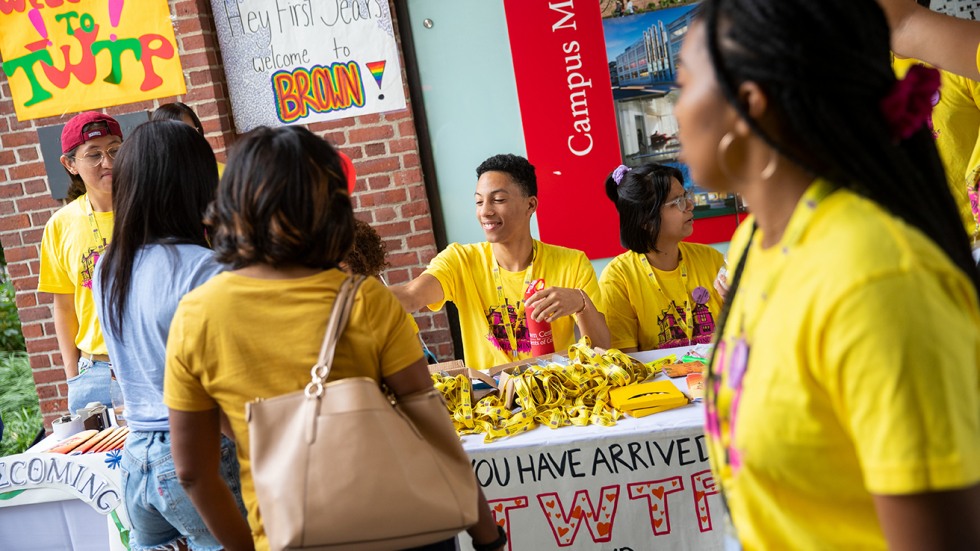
[{"x": 377, "y": 69}]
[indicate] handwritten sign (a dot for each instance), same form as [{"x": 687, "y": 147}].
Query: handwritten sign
[
  {"x": 299, "y": 61},
  {"x": 623, "y": 492},
  {"x": 64, "y": 56}
]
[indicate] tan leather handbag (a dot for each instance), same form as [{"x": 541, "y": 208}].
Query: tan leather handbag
[{"x": 341, "y": 465}]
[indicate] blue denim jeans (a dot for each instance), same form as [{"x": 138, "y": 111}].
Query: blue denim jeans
[
  {"x": 92, "y": 384},
  {"x": 158, "y": 508}
]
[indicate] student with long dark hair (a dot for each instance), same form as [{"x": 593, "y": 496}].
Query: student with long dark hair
[
  {"x": 165, "y": 178},
  {"x": 843, "y": 404},
  {"x": 283, "y": 221},
  {"x": 658, "y": 294}
]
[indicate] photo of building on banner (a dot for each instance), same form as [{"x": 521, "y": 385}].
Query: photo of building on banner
[
  {"x": 63, "y": 57},
  {"x": 299, "y": 61},
  {"x": 642, "y": 50}
]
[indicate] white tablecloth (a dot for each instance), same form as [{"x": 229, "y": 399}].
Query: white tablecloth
[{"x": 641, "y": 484}]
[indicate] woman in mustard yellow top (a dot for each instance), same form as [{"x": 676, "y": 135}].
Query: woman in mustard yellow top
[
  {"x": 659, "y": 294},
  {"x": 283, "y": 221}
]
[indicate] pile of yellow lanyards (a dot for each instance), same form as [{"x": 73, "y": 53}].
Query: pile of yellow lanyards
[{"x": 553, "y": 395}]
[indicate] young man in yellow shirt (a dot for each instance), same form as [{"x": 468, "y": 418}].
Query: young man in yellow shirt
[{"x": 487, "y": 280}]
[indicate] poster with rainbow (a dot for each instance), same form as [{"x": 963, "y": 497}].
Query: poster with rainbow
[{"x": 300, "y": 61}]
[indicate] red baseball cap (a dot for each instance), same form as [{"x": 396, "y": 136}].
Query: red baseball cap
[
  {"x": 72, "y": 135},
  {"x": 349, "y": 172}
]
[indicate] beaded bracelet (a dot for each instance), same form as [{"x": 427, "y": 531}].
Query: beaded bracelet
[{"x": 585, "y": 304}]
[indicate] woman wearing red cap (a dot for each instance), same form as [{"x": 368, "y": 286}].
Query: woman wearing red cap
[{"x": 73, "y": 240}]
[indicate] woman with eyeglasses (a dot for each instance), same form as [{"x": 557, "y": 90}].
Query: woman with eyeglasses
[
  {"x": 658, "y": 294},
  {"x": 73, "y": 239}
]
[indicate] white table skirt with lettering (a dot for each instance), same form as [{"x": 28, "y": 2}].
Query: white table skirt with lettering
[
  {"x": 61, "y": 502},
  {"x": 641, "y": 484}
]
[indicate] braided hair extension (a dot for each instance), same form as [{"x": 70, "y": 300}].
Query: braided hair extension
[{"x": 795, "y": 50}]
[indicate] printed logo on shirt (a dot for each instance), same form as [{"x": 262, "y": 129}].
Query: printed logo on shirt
[
  {"x": 497, "y": 334},
  {"x": 89, "y": 259},
  {"x": 730, "y": 368},
  {"x": 672, "y": 332}
]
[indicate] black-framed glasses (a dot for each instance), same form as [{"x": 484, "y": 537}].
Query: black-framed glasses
[{"x": 95, "y": 157}]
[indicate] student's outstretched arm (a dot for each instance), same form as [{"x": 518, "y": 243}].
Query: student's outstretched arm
[
  {"x": 941, "y": 40},
  {"x": 418, "y": 293}
]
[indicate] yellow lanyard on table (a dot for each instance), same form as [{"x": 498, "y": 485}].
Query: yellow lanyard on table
[
  {"x": 684, "y": 322},
  {"x": 553, "y": 395},
  {"x": 519, "y": 304}
]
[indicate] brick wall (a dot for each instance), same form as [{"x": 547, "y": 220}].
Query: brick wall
[{"x": 390, "y": 192}]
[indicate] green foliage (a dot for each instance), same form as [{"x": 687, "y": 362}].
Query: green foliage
[
  {"x": 18, "y": 403},
  {"x": 11, "y": 336}
]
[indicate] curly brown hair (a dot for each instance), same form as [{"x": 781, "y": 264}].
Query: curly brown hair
[{"x": 369, "y": 255}]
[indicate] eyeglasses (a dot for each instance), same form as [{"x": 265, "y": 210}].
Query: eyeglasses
[
  {"x": 96, "y": 157},
  {"x": 683, "y": 202}
]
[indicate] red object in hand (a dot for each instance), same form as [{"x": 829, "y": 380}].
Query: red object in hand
[{"x": 539, "y": 332}]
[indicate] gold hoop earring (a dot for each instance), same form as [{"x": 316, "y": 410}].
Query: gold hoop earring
[
  {"x": 723, "y": 145},
  {"x": 770, "y": 168},
  {"x": 726, "y": 142}
]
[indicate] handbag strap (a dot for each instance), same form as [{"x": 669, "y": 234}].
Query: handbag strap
[{"x": 339, "y": 314}]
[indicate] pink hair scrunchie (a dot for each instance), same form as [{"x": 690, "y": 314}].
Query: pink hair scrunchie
[{"x": 909, "y": 104}]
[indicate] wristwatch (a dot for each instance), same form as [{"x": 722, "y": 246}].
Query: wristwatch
[{"x": 493, "y": 545}]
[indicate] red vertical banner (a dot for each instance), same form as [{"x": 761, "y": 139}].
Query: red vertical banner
[{"x": 565, "y": 97}]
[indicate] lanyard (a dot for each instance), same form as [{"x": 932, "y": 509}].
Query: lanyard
[
  {"x": 738, "y": 357},
  {"x": 684, "y": 322},
  {"x": 94, "y": 224},
  {"x": 502, "y": 300}
]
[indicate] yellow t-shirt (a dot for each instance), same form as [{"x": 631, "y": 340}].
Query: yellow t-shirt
[
  {"x": 863, "y": 377},
  {"x": 235, "y": 339},
  {"x": 466, "y": 275},
  {"x": 70, "y": 247},
  {"x": 956, "y": 127},
  {"x": 642, "y": 311}
]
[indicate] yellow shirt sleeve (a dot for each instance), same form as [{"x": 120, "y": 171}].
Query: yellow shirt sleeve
[
  {"x": 54, "y": 276},
  {"x": 445, "y": 267},
  {"x": 907, "y": 393},
  {"x": 620, "y": 316}
]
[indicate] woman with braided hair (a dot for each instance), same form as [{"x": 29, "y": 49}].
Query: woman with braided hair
[{"x": 843, "y": 404}]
